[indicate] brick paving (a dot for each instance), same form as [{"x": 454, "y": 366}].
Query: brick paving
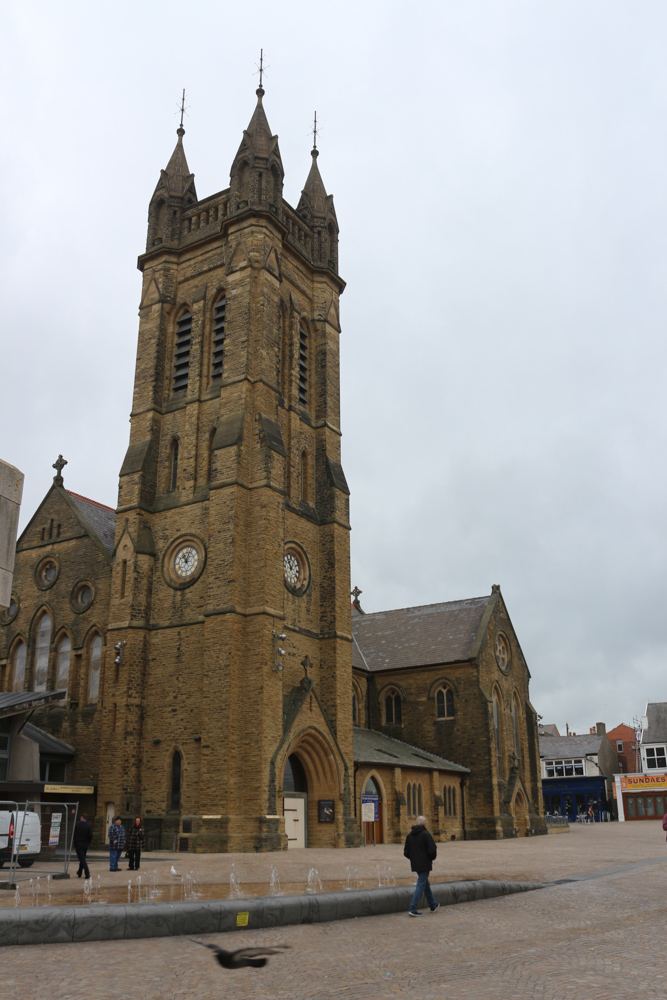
[{"x": 599, "y": 939}]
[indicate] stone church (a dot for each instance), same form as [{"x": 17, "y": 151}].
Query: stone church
[{"x": 206, "y": 666}]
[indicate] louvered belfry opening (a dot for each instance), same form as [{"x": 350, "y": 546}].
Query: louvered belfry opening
[
  {"x": 218, "y": 338},
  {"x": 303, "y": 367},
  {"x": 182, "y": 351}
]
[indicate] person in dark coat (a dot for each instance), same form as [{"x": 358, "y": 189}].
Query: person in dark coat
[
  {"x": 83, "y": 834},
  {"x": 421, "y": 851},
  {"x": 116, "y": 844},
  {"x": 135, "y": 843}
]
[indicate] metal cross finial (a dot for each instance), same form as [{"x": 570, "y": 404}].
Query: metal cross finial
[
  {"x": 306, "y": 664},
  {"x": 59, "y": 465},
  {"x": 315, "y": 131},
  {"x": 261, "y": 69},
  {"x": 183, "y": 111}
]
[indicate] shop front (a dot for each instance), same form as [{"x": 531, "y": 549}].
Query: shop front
[{"x": 641, "y": 796}]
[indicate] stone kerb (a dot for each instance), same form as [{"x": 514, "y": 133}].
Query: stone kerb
[
  {"x": 11, "y": 491},
  {"x": 62, "y": 924}
]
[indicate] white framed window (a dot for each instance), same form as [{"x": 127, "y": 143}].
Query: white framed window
[
  {"x": 572, "y": 767},
  {"x": 656, "y": 757},
  {"x": 619, "y": 746}
]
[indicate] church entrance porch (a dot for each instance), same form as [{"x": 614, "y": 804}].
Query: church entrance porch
[{"x": 312, "y": 804}]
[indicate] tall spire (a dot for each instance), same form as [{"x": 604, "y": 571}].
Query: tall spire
[
  {"x": 256, "y": 177},
  {"x": 317, "y": 208},
  {"x": 175, "y": 188}
]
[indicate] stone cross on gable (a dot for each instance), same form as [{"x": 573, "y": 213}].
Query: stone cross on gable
[
  {"x": 356, "y": 593},
  {"x": 59, "y": 465}
]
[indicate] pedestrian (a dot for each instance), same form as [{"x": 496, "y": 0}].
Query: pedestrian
[
  {"x": 591, "y": 814},
  {"x": 421, "y": 851},
  {"x": 116, "y": 844},
  {"x": 83, "y": 834},
  {"x": 664, "y": 822},
  {"x": 135, "y": 843}
]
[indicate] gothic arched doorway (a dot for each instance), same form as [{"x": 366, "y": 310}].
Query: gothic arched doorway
[
  {"x": 371, "y": 800},
  {"x": 311, "y": 792},
  {"x": 295, "y": 802}
]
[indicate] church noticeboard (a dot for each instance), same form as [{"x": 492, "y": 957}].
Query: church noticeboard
[
  {"x": 325, "y": 810},
  {"x": 370, "y": 808}
]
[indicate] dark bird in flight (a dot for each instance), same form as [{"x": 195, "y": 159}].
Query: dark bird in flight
[{"x": 255, "y": 957}]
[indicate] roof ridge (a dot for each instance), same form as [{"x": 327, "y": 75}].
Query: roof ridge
[
  {"x": 411, "y": 746},
  {"x": 419, "y": 607},
  {"x": 95, "y": 503}
]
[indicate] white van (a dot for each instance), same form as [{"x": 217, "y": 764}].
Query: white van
[{"x": 10, "y": 830}]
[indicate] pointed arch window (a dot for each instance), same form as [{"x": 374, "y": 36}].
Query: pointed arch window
[
  {"x": 354, "y": 709},
  {"x": 176, "y": 776},
  {"x": 43, "y": 645},
  {"x": 63, "y": 658},
  {"x": 173, "y": 478},
  {"x": 303, "y": 367},
  {"x": 515, "y": 731},
  {"x": 392, "y": 709},
  {"x": 18, "y": 680},
  {"x": 420, "y": 804},
  {"x": 414, "y": 800},
  {"x": 444, "y": 703},
  {"x": 182, "y": 351},
  {"x": 496, "y": 734},
  {"x": 94, "y": 668},
  {"x": 408, "y": 798},
  {"x": 218, "y": 349},
  {"x": 209, "y": 459}
]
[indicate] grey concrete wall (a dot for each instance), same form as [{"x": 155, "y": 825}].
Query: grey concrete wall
[
  {"x": 11, "y": 491},
  {"x": 56, "y": 924},
  {"x": 23, "y": 754}
]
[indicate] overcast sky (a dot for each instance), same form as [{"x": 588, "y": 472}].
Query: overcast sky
[{"x": 499, "y": 178}]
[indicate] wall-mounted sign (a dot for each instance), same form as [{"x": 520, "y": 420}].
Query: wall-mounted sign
[
  {"x": 69, "y": 789},
  {"x": 638, "y": 781},
  {"x": 370, "y": 808},
  {"x": 325, "y": 810}
]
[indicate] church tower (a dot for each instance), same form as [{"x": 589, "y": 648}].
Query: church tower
[{"x": 231, "y": 692}]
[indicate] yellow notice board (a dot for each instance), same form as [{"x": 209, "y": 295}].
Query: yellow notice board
[{"x": 642, "y": 782}]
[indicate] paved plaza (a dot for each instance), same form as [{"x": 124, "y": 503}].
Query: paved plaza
[{"x": 596, "y": 939}]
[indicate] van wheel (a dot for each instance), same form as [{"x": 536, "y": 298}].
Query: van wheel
[{"x": 25, "y": 864}]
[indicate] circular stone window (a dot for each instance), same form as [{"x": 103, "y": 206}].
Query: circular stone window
[
  {"x": 46, "y": 573},
  {"x": 9, "y": 614},
  {"x": 503, "y": 653},
  {"x": 184, "y": 561},
  {"x": 296, "y": 570},
  {"x": 83, "y": 596}
]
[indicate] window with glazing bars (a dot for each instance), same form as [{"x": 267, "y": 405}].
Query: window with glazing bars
[
  {"x": 303, "y": 368},
  {"x": 182, "y": 351},
  {"x": 218, "y": 338}
]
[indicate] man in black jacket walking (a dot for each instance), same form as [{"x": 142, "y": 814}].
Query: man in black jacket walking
[
  {"x": 83, "y": 834},
  {"x": 420, "y": 849}
]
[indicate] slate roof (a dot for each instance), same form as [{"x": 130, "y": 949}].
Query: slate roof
[
  {"x": 656, "y": 715},
  {"x": 414, "y": 637},
  {"x": 569, "y": 746},
  {"x": 14, "y": 702},
  {"x": 48, "y": 744},
  {"x": 376, "y": 748},
  {"x": 101, "y": 519}
]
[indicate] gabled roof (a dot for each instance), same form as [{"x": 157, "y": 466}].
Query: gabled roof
[
  {"x": 656, "y": 716},
  {"x": 414, "y": 637},
  {"x": 15, "y": 702},
  {"x": 48, "y": 744},
  {"x": 100, "y": 519},
  {"x": 376, "y": 748},
  {"x": 569, "y": 746}
]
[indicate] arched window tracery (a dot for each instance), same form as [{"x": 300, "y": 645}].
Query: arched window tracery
[
  {"x": 94, "y": 669},
  {"x": 444, "y": 703},
  {"x": 393, "y": 711},
  {"x": 42, "y": 647},
  {"x": 18, "y": 666}
]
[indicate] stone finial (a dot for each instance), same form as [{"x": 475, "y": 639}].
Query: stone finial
[
  {"x": 59, "y": 465},
  {"x": 356, "y": 594}
]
